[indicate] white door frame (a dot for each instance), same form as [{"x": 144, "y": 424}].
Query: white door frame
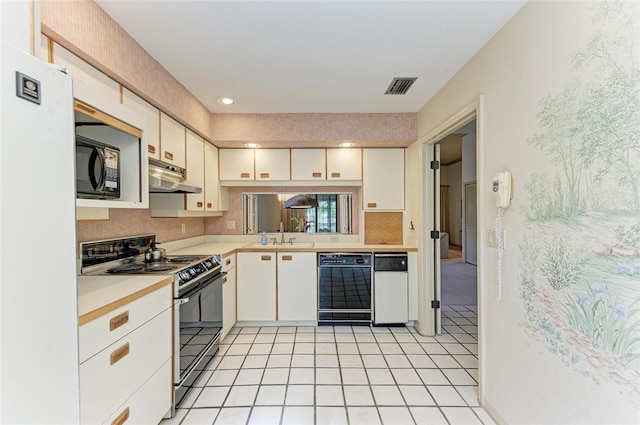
[{"x": 426, "y": 317}]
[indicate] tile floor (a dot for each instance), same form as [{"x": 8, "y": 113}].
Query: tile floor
[{"x": 342, "y": 375}]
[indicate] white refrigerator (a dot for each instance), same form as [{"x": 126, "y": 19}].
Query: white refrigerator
[{"x": 38, "y": 296}]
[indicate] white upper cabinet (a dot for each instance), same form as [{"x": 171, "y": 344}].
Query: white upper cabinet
[
  {"x": 383, "y": 179},
  {"x": 172, "y": 141},
  {"x": 152, "y": 130},
  {"x": 195, "y": 170},
  {"x": 308, "y": 164},
  {"x": 82, "y": 71},
  {"x": 344, "y": 164},
  {"x": 211, "y": 180},
  {"x": 272, "y": 164},
  {"x": 236, "y": 164}
]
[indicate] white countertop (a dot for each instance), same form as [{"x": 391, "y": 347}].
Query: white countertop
[
  {"x": 227, "y": 248},
  {"x": 98, "y": 295}
]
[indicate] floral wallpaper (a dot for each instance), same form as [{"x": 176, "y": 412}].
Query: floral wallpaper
[{"x": 579, "y": 266}]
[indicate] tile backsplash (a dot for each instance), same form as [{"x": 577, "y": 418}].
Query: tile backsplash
[{"x": 130, "y": 222}]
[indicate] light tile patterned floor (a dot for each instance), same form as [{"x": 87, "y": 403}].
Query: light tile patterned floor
[{"x": 342, "y": 375}]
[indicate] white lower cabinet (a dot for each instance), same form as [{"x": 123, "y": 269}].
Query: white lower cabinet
[
  {"x": 277, "y": 286},
  {"x": 297, "y": 294},
  {"x": 228, "y": 294},
  {"x": 130, "y": 379},
  {"x": 256, "y": 280}
]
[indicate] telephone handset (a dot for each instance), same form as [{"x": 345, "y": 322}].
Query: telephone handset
[
  {"x": 502, "y": 194},
  {"x": 502, "y": 189}
]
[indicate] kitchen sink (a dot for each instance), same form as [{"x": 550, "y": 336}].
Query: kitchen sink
[{"x": 270, "y": 245}]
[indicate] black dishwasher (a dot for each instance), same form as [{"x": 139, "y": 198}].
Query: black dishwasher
[{"x": 344, "y": 288}]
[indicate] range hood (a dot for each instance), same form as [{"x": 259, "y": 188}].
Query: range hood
[{"x": 167, "y": 178}]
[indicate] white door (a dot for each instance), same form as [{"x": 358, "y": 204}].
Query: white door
[
  {"x": 432, "y": 294},
  {"x": 470, "y": 242}
]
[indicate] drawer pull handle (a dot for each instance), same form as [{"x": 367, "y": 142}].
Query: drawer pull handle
[
  {"x": 372, "y": 205},
  {"x": 264, "y": 175},
  {"x": 118, "y": 321},
  {"x": 287, "y": 258},
  {"x": 122, "y": 417},
  {"x": 151, "y": 149},
  {"x": 224, "y": 280},
  {"x": 266, "y": 258},
  {"x": 168, "y": 155},
  {"x": 119, "y": 354},
  {"x": 335, "y": 175},
  {"x": 316, "y": 174},
  {"x": 228, "y": 261},
  {"x": 245, "y": 175},
  {"x": 209, "y": 205},
  {"x": 199, "y": 204}
]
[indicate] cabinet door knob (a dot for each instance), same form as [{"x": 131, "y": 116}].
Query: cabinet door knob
[
  {"x": 168, "y": 155},
  {"x": 287, "y": 258},
  {"x": 151, "y": 149},
  {"x": 224, "y": 280},
  {"x": 316, "y": 174},
  {"x": 209, "y": 205},
  {"x": 266, "y": 258},
  {"x": 245, "y": 175},
  {"x": 228, "y": 261},
  {"x": 372, "y": 205},
  {"x": 335, "y": 175},
  {"x": 199, "y": 204},
  {"x": 122, "y": 417},
  {"x": 119, "y": 354},
  {"x": 264, "y": 175},
  {"x": 118, "y": 321}
]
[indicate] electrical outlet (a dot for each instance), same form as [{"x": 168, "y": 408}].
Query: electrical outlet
[
  {"x": 231, "y": 225},
  {"x": 183, "y": 228},
  {"x": 333, "y": 239}
]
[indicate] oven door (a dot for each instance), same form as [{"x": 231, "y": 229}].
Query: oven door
[{"x": 200, "y": 323}]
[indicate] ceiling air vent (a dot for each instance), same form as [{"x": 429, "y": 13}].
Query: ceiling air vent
[{"x": 400, "y": 85}]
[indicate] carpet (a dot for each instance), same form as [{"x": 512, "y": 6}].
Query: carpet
[{"x": 458, "y": 283}]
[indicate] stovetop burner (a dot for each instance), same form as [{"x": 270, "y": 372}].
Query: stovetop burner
[
  {"x": 127, "y": 268},
  {"x": 184, "y": 259},
  {"x": 156, "y": 267}
]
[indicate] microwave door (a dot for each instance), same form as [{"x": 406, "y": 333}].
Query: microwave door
[{"x": 97, "y": 170}]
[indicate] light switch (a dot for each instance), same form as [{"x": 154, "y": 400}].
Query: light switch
[{"x": 231, "y": 225}]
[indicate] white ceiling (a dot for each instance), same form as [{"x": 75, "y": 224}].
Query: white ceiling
[{"x": 311, "y": 56}]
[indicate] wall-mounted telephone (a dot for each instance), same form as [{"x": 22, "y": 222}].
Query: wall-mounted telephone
[
  {"x": 502, "y": 189},
  {"x": 502, "y": 194}
]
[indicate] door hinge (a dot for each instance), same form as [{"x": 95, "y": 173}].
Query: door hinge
[
  {"x": 435, "y": 304},
  {"x": 435, "y": 165},
  {"x": 435, "y": 234}
]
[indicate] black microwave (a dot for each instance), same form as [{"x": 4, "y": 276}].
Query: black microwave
[{"x": 97, "y": 169}]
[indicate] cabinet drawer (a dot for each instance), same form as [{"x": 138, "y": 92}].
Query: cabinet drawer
[
  {"x": 149, "y": 404},
  {"x": 114, "y": 374},
  {"x": 103, "y": 331},
  {"x": 228, "y": 262}
]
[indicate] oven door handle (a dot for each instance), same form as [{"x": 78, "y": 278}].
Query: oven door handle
[{"x": 184, "y": 298}]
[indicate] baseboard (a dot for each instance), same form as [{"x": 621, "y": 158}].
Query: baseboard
[{"x": 491, "y": 411}]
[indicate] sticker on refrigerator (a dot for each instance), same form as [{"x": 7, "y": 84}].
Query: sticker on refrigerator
[{"x": 27, "y": 88}]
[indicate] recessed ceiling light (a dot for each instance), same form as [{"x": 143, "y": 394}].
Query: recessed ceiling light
[
  {"x": 251, "y": 145},
  {"x": 347, "y": 144},
  {"x": 227, "y": 101}
]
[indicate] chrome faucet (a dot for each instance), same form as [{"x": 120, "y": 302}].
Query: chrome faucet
[
  {"x": 291, "y": 241},
  {"x": 274, "y": 240},
  {"x": 282, "y": 238}
]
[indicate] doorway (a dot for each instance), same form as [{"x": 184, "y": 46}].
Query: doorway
[{"x": 452, "y": 309}]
